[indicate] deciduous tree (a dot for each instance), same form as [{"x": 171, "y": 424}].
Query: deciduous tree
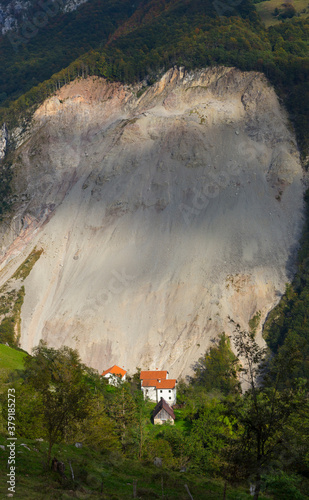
[{"x": 59, "y": 378}]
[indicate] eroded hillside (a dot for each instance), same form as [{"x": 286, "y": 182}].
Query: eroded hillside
[{"x": 159, "y": 211}]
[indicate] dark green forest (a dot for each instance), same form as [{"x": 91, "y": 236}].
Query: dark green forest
[
  {"x": 33, "y": 53},
  {"x": 287, "y": 327}
]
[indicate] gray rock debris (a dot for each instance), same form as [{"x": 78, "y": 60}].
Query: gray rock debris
[{"x": 3, "y": 141}]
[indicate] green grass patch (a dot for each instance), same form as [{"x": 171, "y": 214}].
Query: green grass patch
[
  {"x": 266, "y": 9},
  {"x": 181, "y": 422},
  {"x": 10, "y": 306},
  {"x": 101, "y": 476},
  {"x": 11, "y": 300},
  {"x": 254, "y": 322},
  {"x": 10, "y": 359},
  {"x": 25, "y": 268}
]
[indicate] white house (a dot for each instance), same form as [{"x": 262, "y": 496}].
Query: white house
[
  {"x": 156, "y": 385},
  {"x": 114, "y": 375}
]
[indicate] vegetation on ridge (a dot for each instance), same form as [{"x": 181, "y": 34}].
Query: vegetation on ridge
[
  {"x": 287, "y": 325},
  {"x": 32, "y": 54},
  {"x": 11, "y": 300}
]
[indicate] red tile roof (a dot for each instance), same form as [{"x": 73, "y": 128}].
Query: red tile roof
[
  {"x": 115, "y": 370},
  {"x": 160, "y": 384},
  {"x": 166, "y": 384},
  {"x": 149, "y": 383},
  {"x": 155, "y": 374}
]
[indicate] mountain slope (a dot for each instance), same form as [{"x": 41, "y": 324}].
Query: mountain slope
[
  {"x": 50, "y": 37},
  {"x": 158, "y": 215},
  {"x": 14, "y": 13}
]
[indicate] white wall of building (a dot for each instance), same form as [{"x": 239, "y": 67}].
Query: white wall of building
[
  {"x": 150, "y": 393},
  {"x": 168, "y": 394},
  {"x": 113, "y": 379}
]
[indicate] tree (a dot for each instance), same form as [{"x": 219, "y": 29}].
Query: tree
[
  {"x": 122, "y": 409},
  {"x": 59, "y": 378},
  {"x": 218, "y": 368},
  {"x": 209, "y": 435},
  {"x": 263, "y": 413},
  {"x": 29, "y": 413},
  {"x": 97, "y": 430},
  {"x": 141, "y": 420}
]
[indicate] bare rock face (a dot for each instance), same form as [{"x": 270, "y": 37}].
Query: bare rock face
[
  {"x": 17, "y": 14},
  {"x": 3, "y": 141},
  {"x": 160, "y": 212}
]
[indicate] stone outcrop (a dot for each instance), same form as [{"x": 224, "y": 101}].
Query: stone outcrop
[
  {"x": 14, "y": 14},
  {"x": 3, "y": 141}
]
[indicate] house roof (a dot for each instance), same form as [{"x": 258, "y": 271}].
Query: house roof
[
  {"x": 166, "y": 384},
  {"x": 165, "y": 406},
  {"x": 160, "y": 384},
  {"x": 115, "y": 370},
  {"x": 149, "y": 383},
  {"x": 155, "y": 374}
]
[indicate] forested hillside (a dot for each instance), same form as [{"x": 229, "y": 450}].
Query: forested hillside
[
  {"x": 50, "y": 39},
  {"x": 287, "y": 328}
]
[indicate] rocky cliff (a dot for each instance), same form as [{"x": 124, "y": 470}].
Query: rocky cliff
[
  {"x": 160, "y": 211},
  {"x": 29, "y": 14}
]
